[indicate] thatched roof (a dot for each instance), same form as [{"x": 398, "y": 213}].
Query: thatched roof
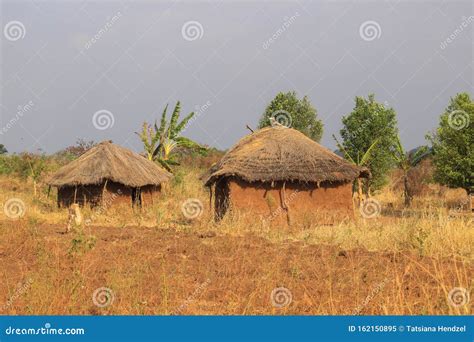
[
  {"x": 111, "y": 162},
  {"x": 283, "y": 154}
]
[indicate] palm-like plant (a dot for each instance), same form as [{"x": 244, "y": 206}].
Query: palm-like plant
[
  {"x": 406, "y": 161},
  {"x": 160, "y": 143},
  {"x": 361, "y": 159}
]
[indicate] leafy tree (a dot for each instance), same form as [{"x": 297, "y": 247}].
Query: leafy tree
[
  {"x": 453, "y": 144},
  {"x": 405, "y": 161},
  {"x": 368, "y": 122},
  {"x": 161, "y": 142},
  {"x": 360, "y": 161},
  {"x": 288, "y": 110},
  {"x": 3, "y": 149}
]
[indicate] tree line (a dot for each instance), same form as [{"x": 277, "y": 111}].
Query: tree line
[{"x": 369, "y": 137}]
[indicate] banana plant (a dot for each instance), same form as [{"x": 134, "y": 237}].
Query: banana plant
[
  {"x": 161, "y": 142},
  {"x": 360, "y": 160},
  {"x": 405, "y": 162}
]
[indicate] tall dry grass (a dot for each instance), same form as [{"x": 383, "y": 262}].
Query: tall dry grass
[{"x": 158, "y": 262}]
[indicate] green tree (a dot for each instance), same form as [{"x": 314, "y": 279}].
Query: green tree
[
  {"x": 453, "y": 144},
  {"x": 405, "y": 161},
  {"x": 368, "y": 122},
  {"x": 361, "y": 160},
  {"x": 160, "y": 142},
  {"x": 3, "y": 149},
  {"x": 290, "y": 111}
]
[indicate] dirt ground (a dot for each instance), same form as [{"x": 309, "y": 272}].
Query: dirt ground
[{"x": 165, "y": 271}]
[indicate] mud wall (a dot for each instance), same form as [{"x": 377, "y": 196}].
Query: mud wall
[{"x": 327, "y": 203}]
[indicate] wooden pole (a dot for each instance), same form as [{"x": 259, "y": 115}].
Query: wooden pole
[
  {"x": 103, "y": 192},
  {"x": 75, "y": 193}
]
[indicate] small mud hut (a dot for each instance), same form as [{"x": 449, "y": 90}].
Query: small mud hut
[
  {"x": 279, "y": 174},
  {"x": 109, "y": 174}
]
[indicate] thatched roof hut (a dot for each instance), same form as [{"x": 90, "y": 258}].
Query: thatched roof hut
[
  {"x": 108, "y": 170},
  {"x": 273, "y": 160}
]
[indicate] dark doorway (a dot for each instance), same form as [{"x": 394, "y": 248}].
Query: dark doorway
[
  {"x": 222, "y": 192},
  {"x": 137, "y": 197}
]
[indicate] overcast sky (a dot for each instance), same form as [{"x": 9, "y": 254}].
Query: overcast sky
[{"x": 220, "y": 57}]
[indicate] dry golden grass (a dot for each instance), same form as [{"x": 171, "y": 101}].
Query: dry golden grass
[{"x": 158, "y": 262}]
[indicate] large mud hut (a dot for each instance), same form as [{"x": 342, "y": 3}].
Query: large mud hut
[
  {"x": 279, "y": 174},
  {"x": 109, "y": 174}
]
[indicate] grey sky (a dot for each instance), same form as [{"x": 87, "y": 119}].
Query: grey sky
[{"x": 142, "y": 61}]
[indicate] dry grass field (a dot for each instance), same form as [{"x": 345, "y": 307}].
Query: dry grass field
[{"x": 156, "y": 261}]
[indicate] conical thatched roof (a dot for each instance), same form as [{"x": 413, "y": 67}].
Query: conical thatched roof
[
  {"x": 111, "y": 162},
  {"x": 283, "y": 154}
]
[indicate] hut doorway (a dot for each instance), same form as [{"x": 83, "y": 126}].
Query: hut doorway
[
  {"x": 222, "y": 193},
  {"x": 136, "y": 197}
]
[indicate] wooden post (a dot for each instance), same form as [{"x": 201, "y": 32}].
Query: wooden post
[
  {"x": 284, "y": 204},
  {"x": 75, "y": 193},
  {"x": 103, "y": 192}
]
